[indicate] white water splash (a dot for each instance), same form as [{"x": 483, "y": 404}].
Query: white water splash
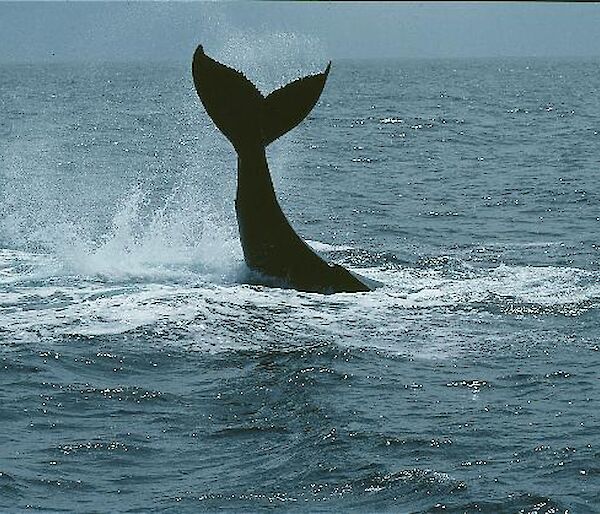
[{"x": 271, "y": 60}]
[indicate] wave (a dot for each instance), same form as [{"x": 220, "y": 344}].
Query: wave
[
  {"x": 118, "y": 290},
  {"x": 169, "y": 243}
]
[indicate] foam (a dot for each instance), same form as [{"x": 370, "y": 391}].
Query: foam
[{"x": 419, "y": 312}]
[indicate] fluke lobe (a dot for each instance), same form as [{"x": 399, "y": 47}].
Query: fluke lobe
[{"x": 251, "y": 121}]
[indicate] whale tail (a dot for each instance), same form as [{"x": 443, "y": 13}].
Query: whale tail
[{"x": 241, "y": 112}]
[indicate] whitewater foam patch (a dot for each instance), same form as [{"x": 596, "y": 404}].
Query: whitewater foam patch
[
  {"x": 319, "y": 246},
  {"x": 543, "y": 285},
  {"x": 424, "y": 312}
]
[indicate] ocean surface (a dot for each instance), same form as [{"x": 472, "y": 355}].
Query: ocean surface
[{"x": 142, "y": 371}]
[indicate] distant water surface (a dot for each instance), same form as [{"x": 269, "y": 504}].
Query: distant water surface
[{"x": 140, "y": 371}]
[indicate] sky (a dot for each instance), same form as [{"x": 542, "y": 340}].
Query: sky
[{"x": 146, "y": 31}]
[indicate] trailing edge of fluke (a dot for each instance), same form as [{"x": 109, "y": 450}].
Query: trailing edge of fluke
[{"x": 251, "y": 121}]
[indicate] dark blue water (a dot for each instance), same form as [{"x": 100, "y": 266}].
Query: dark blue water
[{"x": 139, "y": 371}]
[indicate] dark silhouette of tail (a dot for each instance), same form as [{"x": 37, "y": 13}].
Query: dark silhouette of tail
[
  {"x": 286, "y": 107},
  {"x": 241, "y": 112},
  {"x": 251, "y": 121}
]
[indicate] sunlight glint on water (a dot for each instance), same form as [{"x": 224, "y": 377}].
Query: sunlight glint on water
[{"x": 142, "y": 369}]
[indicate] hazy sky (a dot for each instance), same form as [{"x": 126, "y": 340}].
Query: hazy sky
[{"x": 145, "y": 31}]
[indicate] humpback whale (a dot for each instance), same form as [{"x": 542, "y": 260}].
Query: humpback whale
[{"x": 251, "y": 121}]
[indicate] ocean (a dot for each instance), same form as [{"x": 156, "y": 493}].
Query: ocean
[{"x": 141, "y": 371}]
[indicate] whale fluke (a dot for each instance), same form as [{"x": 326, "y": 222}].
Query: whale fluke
[
  {"x": 230, "y": 99},
  {"x": 239, "y": 109},
  {"x": 287, "y": 106},
  {"x": 251, "y": 121}
]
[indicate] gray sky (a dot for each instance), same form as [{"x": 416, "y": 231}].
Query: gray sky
[{"x": 158, "y": 31}]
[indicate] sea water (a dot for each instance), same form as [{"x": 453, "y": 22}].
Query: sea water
[{"x": 140, "y": 370}]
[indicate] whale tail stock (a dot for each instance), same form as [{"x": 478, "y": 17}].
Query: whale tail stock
[
  {"x": 251, "y": 121},
  {"x": 241, "y": 112}
]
